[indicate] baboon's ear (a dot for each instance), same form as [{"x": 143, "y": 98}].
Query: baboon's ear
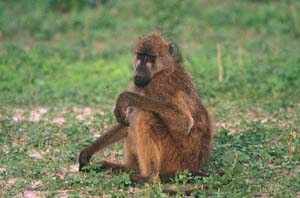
[
  {"x": 171, "y": 48},
  {"x": 175, "y": 52}
]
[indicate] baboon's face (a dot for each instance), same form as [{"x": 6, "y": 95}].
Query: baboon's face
[
  {"x": 151, "y": 56},
  {"x": 144, "y": 66}
]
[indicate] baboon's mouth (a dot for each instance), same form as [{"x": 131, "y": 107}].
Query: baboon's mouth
[{"x": 141, "y": 82}]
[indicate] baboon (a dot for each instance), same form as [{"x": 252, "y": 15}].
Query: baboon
[{"x": 166, "y": 127}]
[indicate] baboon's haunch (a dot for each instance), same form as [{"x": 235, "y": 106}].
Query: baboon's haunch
[{"x": 166, "y": 127}]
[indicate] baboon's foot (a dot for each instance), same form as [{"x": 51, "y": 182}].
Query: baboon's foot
[
  {"x": 140, "y": 179},
  {"x": 84, "y": 159},
  {"x": 105, "y": 165}
]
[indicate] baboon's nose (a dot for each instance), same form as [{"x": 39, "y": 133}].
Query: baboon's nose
[{"x": 138, "y": 77}]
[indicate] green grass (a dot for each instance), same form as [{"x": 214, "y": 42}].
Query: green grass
[{"x": 61, "y": 69}]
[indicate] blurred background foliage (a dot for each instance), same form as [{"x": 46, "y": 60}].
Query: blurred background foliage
[{"x": 79, "y": 51}]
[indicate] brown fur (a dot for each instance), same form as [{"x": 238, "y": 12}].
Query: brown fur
[{"x": 169, "y": 127}]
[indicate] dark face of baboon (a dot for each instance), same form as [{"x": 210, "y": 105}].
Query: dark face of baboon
[
  {"x": 153, "y": 54},
  {"x": 144, "y": 63}
]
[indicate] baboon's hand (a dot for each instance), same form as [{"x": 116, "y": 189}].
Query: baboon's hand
[
  {"x": 123, "y": 102},
  {"x": 84, "y": 159},
  {"x": 120, "y": 114}
]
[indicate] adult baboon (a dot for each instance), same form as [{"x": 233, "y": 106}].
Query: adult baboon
[{"x": 165, "y": 125}]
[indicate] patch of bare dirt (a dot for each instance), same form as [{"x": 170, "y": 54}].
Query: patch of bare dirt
[
  {"x": 18, "y": 116},
  {"x": 35, "y": 154},
  {"x": 36, "y": 114}
]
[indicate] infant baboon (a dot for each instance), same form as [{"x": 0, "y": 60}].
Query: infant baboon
[{"x": 166, "y": 127}]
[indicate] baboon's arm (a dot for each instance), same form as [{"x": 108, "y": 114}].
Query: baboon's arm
[
  {"x": 113, "y": 135},
  {"x": 178, "y": 121}
]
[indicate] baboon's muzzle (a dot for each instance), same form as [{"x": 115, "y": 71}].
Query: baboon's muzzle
[{"x": 142, "y": 75}]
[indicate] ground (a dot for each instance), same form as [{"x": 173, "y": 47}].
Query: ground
[{"x": 61, "y": 68}]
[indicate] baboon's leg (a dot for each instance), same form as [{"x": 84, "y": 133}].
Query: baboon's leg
[
  {"x": 148, "y": 153},
  {"x": 113, "y": 135},
  {"x": 205, "y": 148},
  {"x": 206, "y": 139},
  {"x": 131, "y": 162}
]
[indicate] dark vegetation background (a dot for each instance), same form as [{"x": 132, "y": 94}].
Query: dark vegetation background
[{"x": 63, "y": 62}]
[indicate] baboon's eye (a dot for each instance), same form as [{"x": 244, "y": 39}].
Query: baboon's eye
[
  {"x": 139, "y": 56},
  {"x": 150, "y": 58},
  {"x": 145, "y": 57}
]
